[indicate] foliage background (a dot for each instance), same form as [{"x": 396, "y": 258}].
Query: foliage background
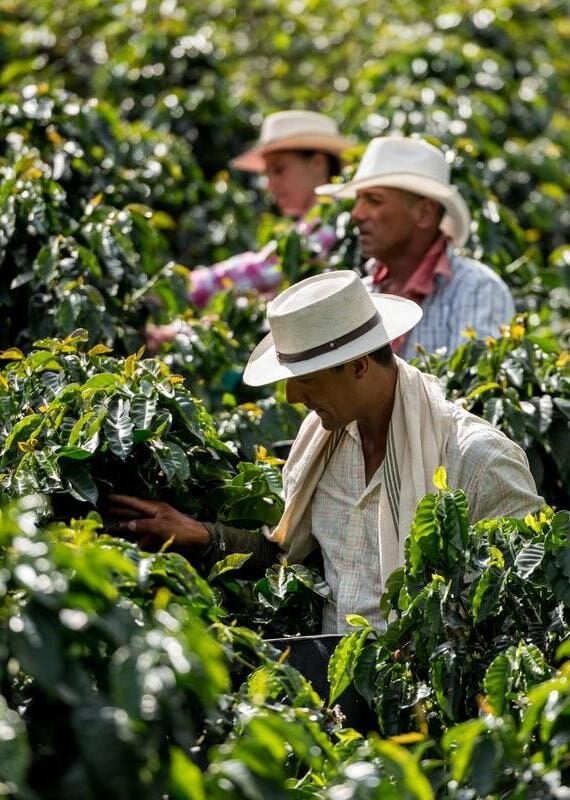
[
  {"x": 117, "y": 124},
  {"x": 487, "y": 79}
]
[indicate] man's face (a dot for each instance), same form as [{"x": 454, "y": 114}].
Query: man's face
[
  {"x": 327, "y": 393},
  {"x": 292, "y": 178},
  {"x": 386, "y": 220}
]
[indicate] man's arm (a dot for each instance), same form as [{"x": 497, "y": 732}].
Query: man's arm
[
  {"x": 152, "y": 523},
  {"x": 226, "y": 540},
  {"x": 494, "y": 473}
]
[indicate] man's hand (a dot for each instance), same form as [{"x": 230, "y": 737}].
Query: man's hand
[{"x": 152, "y": 523}]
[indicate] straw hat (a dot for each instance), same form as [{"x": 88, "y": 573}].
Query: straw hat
[
  {"x": 293, "y": 130},
  {"x": 324, "y": 321},
  {"x": 414, "y": 165}
]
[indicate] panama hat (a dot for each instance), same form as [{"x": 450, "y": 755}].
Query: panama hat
[
  {"x": 413, "y": 165},
  {"x": 324, "y": 321},
  {"x": 293, "y": 130}
]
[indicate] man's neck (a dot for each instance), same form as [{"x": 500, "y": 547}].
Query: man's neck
[
  {"x": 374, "y": 421},
  {"x": 402, "y": 264}
]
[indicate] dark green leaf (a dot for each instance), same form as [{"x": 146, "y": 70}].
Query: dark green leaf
[
  {"x": 119, "y": 428},
  {"x": 528, "y": 559}
]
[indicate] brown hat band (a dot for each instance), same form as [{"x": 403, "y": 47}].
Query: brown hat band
[{"x": 334, "y": 344}]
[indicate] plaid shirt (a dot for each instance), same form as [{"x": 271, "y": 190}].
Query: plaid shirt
[
  {"x": 259, "y": 271},
  {"x": 491, "y": 469},
  {"x": 472, "y": 297},
  {"x": 342, "y": 504}
]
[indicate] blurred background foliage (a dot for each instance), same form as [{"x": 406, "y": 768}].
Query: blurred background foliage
[
  {"x": 487, "y": 79},
  {"x": 118, "y": 121},
  {"x": 117, "y": 124}
]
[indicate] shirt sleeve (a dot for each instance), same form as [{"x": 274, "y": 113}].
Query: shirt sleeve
[
  {"x": 257, "y": 271},
  {"x": 496, "y": 477},
  {"x": 484, "y": 305},
  {"x": 226, "y": 540},
  {"x": 321, "y": 237}
]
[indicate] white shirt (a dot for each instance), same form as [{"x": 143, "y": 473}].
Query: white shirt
[{"x": 344, "y": 520}]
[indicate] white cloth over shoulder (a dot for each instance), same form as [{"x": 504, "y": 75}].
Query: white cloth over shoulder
[{"x": 426, "y": 431}]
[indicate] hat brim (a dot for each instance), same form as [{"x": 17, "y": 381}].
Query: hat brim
[
  {"x": 398, "y": 316},
  {"x": 253, "y": 160},
  {"x": 457, "y": 221}
]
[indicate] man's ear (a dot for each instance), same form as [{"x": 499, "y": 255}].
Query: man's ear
[
  {"x": 427, "y": 213},
  {"x": 360, "y": 366}
]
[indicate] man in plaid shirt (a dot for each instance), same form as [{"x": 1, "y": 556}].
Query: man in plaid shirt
[
  {"x": 366, "y": 453},
  {"x": 411, "y": 222}
]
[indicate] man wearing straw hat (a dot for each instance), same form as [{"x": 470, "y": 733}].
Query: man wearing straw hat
[
  {"x": 411, "y": 221},
  {"x": 366, "y": 453}
]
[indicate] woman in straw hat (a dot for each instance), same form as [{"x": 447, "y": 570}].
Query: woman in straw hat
[{"x": 296, "y": 152}]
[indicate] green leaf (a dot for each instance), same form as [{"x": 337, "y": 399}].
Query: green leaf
[
  {"x": 291, "y": 258},
  {"x": 119, "y": 428},
  {"x": 185, "y": 781},
  {"x": 357, "y": 621},
  {"x": 528, "y": 559},
  {"x": 445, "y": 676},
  {"x": 481, "y": 389},
  {"x": 484, "y": 758},
  {"x": 12, "y": 354},
  {"x": 563, "y": 651},
  {"x": 493, "y": 410},
  {"x": 251, "y": 510},
  {"x": 533, "y": 663},
  {"x": 498, "y": 681},
  {"x": 143, "y": 409},
  {"x": 403, "y": 766},
  {"x": 173, "y": 462},
  {"x": 37, "y": 642},
  {"x": 80, "y": 484},
  {"x": 454, "y": 515},
  {"x": 547, "y": 693},
  {"x": 364, "y": 677},
  {"x": 424, "y": 535},
  {"x": 440, "y": 479},
  {"x": 391, "y": 593},
  {"x": 85, "y": 433},
  {"x": 487, "y": 594},
  {"x": 228, "y": 564},
  {"x": 459, "y": 742},
  {"x": 47, "y": 464},
  {"x": 15, "y": 755},
  {"x": 545, "y": 407},
  {"x": 101, "y": 734},
  {"x": 73, "y": 453},
  {"x": 343, "y": 661},
  {"x": 102, "y": 381},
  {"x": 561, "y": 526},
  {"x": 24, "y": 429}
]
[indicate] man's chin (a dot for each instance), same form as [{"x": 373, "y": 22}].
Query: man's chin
[{"x": 366, "y": 248}]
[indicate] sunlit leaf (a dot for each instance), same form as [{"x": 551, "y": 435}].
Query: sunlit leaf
[{"x": 343, "y": 661}]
